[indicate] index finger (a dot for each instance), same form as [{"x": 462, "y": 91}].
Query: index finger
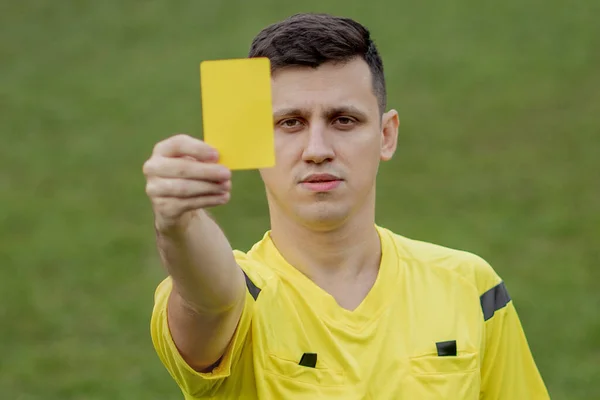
[{"x": 184, "y": 145}]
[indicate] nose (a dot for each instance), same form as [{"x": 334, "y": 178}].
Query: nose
[{"x": 318, "y": 148}]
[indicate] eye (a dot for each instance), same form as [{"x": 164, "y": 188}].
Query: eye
[
  {"x": 344, "y": 122},
  {"x": 290, "y": 123}
]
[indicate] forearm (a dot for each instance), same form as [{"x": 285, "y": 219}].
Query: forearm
[{"x": 199, "y": 259}]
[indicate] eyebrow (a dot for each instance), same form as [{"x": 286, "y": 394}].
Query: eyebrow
[{"x": 329, "y": 113}]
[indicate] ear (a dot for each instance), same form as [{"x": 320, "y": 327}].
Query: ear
[{"x": 389, "y": 134}]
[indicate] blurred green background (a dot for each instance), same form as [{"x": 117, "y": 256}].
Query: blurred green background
[{"x": 499, "y": 154}]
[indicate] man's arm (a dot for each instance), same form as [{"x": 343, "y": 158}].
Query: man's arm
[
  {"x": 208, "y": 294},
  {"x": 208, "y": 290}
]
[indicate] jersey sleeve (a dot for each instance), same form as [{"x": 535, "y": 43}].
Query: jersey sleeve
[
  {"x": 508, "y": 370},
  {"x": 195, "y": 384}
]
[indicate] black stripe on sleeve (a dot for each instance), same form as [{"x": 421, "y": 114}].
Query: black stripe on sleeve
[
  {"x": 252, "y": 288},
  {"x": 493, "y": 300}
]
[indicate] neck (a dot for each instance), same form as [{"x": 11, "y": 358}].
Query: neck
[{"x": 346, "y": 250}]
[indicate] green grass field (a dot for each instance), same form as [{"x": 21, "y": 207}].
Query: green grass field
[{"x": 499, "y": 154}]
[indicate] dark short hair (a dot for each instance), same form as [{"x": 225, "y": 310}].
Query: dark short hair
[{"x": 313, "y": 39}]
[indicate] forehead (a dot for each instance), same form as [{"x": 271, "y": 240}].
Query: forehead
[{"x": 328, "y": 85}]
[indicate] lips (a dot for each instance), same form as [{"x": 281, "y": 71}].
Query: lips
[
  {"x": 321, "y": 182},
  {"x": 315, "y": 178}
]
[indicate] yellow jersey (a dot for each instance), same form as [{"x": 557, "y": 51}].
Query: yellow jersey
[{"x": 437, "y": 324}]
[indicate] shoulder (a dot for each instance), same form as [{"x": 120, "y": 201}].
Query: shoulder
[
  {"x": 256, "y": 264},
  {"x": 469, "y": 266}
]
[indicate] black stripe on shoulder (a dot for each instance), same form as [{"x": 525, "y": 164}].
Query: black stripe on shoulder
[
  {"x": 252, "y": 288},
  {"x": 493, "y": 300}
]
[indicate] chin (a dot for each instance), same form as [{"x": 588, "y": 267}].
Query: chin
[{"x": 322, "y": 215}]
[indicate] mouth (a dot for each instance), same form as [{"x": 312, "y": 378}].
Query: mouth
[{"x": 321, "y": 182}]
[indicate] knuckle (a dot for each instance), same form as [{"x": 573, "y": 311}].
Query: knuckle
[
  {"x": 180, "y": 138},
  {"x": 153, "y": 188},
  {"x": 158, "y": 147},
  {"x": 149, "y": 189},
  {"x": 162, "y": 145},
  {"x": 147, "y": 168},
  {"x": 158, "y": 188}
]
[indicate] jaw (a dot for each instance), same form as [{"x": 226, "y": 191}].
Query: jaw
[{"x": 319, "y": 212}]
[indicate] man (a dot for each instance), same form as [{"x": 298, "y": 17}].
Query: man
[{"x": 327, "y": 305}]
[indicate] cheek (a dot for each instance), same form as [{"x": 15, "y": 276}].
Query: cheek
[
  {"x": 287, "y": 144},
  {"x": 364, "y": 158},
  {"x": 288, "y": 150},
  {"x": 366, "y": 147},
  {"x": 274, "y": 178}
]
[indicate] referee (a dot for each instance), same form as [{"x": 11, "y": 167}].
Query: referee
[{"x": 327, "y": 305}]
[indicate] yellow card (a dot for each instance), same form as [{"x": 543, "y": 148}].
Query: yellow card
[{"x": 237, "y": 111}]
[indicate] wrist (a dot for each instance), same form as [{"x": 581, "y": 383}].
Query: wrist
[{"x": 177, "y": 226}]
